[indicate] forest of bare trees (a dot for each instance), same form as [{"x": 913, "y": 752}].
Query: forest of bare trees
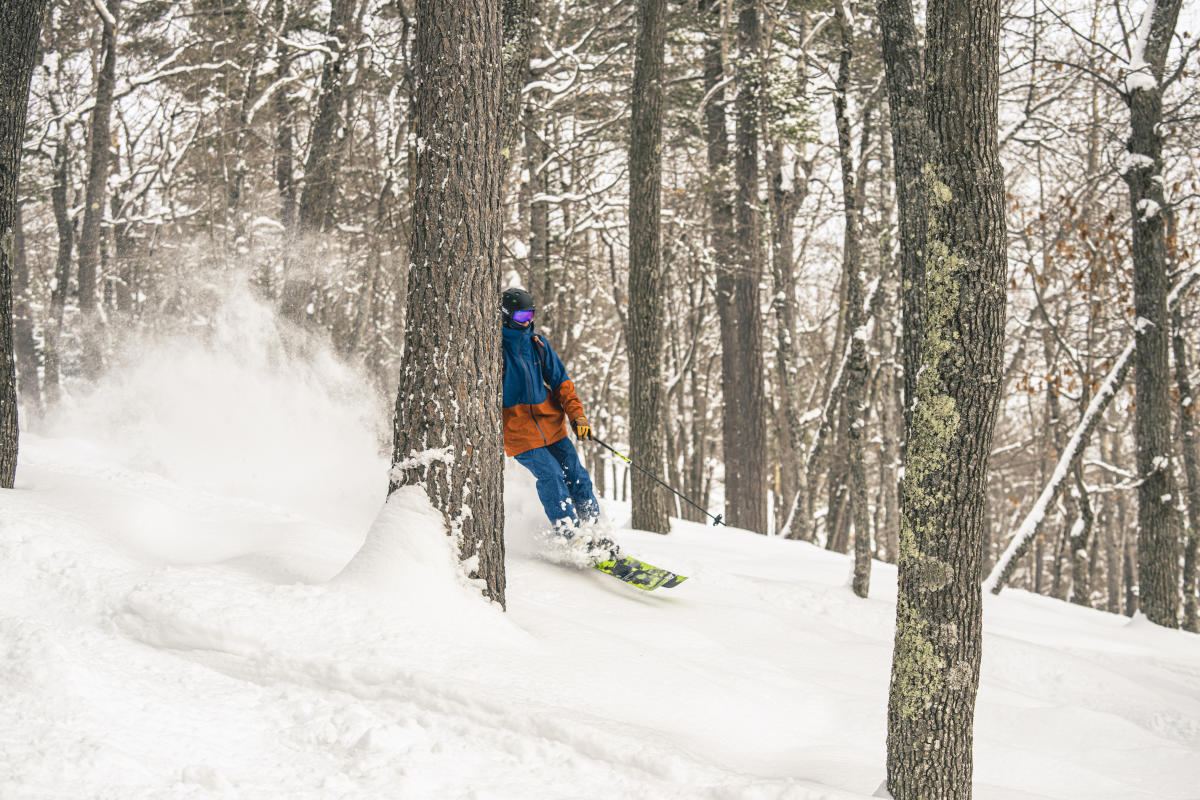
[{"x": 914, "y": 282}]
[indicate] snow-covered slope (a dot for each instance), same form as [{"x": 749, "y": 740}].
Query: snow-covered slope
[{"x": 238, "y": 615}]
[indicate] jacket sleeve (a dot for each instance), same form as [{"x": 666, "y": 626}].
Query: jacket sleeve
[{"x": 561, "y": 386}]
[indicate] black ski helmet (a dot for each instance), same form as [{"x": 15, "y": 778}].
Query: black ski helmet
[{"x": 515, "y": 300}]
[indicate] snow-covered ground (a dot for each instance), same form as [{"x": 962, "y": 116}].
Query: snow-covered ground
[{"x": 188, "y": 609}]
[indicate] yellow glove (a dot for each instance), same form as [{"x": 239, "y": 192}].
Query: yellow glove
[{"x": 582, "y": 428}]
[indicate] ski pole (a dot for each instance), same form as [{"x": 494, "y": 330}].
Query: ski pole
[{"x": 716, "y": 520}]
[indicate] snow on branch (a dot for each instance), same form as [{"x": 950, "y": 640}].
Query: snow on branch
[
  {"x": 1066, "y": 463},
  {"x": 308, "y": 47},
  {"x": 1140, "y": 75},
  {"x": 160, "y": 72},
  {"x": 106, "y": 15},
  {"x": 1072, "y": 453},
  {"x": 554, "y": 89}
]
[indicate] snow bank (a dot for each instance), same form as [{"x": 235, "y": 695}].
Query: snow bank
[{"x": 408, "y": 560}]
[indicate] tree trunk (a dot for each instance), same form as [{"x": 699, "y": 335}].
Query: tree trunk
[
  {"x": 320, "y": 167},
  {"x": 1191, "y": 467},
  {"x": 537, "y": 153},
  {"x": 913, "y": 150},
  {"x": 447, "y": 423},
  {"x": 789, "y": 188},
  {"x": 645, "y": 267},
  {"x": 854, "y": 403},
  {"x": 891, "y": 418},
  {"x": 1158, "y": 520},
  {"x": 30, "y": 388},
  {"x": 1081, "y": 535},
  {"x": 518, "y": 43},
  {"x": 284, "y": 121},
  {"x": 22, "y": 22},
  {"x": 62, "y": 270},
  {"x": 1129, "y": 568},
  {"x": 938, "y": 646},
  {"x": 721, "y": 219},
  {"x": 93, "y": 206},
  {"x": 745, "y": 397},
  {"x": 837, "y": 534},
  {"x": 319, "y": 189}
]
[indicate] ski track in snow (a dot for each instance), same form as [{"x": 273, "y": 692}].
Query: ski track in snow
[{"x": 163, "y": 640}]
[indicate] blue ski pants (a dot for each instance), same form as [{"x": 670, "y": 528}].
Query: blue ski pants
[{"x": 563, "y": 485}]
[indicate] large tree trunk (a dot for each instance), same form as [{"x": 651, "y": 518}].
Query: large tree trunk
[
  {"x": 645, "y": 267},
  {"x": 745, "y": 438},
  {"x": 22, "y": 23},
  {"x": 1158, "y": 519},
  {"x": 93, "y": 205},
  {"x": 447, "y": 423},
  {"x": 938, "y": 646}
]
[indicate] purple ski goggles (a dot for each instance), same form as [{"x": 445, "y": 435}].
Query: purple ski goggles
[{"x": 523, "y": 316}]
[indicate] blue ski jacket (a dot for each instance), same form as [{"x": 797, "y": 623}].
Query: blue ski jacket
[{"x": 539, "y": 398}]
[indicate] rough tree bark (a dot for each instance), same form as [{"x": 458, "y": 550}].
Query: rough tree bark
[
  {"x": 720, "y": 205},
  {"x": 745, "y": 419},
  {"x": 1158, "y": 519},
  {"x": 938, "y": 645},
  {"x": 645, "y": 266},
  {"x": 447, "y": 423},
  {"x": 22, "y": 20}
]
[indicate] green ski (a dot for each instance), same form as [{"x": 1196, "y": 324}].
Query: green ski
[{"x": 639, "y": 573}]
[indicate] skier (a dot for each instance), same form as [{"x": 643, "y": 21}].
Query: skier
[{"x": 539, "y": 398}]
